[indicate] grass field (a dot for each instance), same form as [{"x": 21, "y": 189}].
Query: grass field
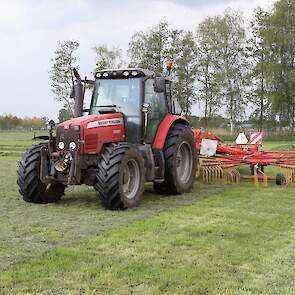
[{"x": 232, "y": 239}]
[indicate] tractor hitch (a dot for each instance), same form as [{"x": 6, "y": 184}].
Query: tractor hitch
[{"x": 63, "y": 167}]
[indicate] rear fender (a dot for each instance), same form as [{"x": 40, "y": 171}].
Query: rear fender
[{"x": 164, "y": 128}]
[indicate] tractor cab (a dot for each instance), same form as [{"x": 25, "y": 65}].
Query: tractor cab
[{"x": 142, "y": 96}]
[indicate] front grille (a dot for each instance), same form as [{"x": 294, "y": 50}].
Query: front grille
[{"x": 66, "y": 136}]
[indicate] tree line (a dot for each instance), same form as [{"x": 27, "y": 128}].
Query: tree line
[
  {"x": 11, "y": 122},
  {"x": 233, "y": 69}
]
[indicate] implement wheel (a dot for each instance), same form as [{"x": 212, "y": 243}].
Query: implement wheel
[
  {"x": 180, "y": 161},
  {"x": 30, "y": 186},
  {"x": 280, "y": 179},
  {"x": 120, "y": 178}
]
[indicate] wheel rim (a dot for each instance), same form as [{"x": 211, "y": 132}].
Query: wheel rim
[
  {"x": 131, "y": 179},
  {"x": 184, "y": 162}
]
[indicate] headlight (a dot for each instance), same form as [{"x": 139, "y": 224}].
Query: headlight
[
  {"x": 61, "y": 145},
  {"x": 126, "y": 73},
  {"x": 72, "y": 145}
]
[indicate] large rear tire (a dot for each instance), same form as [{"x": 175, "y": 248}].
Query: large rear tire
[
  {"x": 180, "y": 161},
  {"x": 120, "y": 178},
  {"x": 30, "y": 186}
]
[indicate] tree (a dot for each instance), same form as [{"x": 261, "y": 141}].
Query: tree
[
  {"x": 137, "y": 49},
  {"x": 150, "y": 49},
  {"x": 183, "y": 53},
  {"x": 8, "y": 121},
  {"x": 107, "y": 58},
  {"x": 153, "y": 48},
  {"x": 258, "y": 54},
  {"x": 65, "y": 114},
  {"x": 62, "y": 73},
  {"x": 207, "y": 85},
  {"x": 228, "y": 42},
  {"x": 44, "y": 120},
  {"x": 279, "y": 40}
]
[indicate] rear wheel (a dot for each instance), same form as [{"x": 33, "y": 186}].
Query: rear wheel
[
  {"x": 30, "y": 186},
  {"x": 120, "y": 177},
  {"x": 180, "y": 161}
]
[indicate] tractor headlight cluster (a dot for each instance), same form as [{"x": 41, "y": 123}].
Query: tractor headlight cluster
[
  {"x": 72, "y": 145},
  {"x": 61, "y": 145}
]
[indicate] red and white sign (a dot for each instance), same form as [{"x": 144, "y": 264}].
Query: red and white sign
[{"x": 255, "y": 138}]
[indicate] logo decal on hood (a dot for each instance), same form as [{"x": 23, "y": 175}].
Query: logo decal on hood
[{"x": 108, "y": 122}]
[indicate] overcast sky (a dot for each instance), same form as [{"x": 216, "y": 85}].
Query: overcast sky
[{"x": 30, "y": 31}]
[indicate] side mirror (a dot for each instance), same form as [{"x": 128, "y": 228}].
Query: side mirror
[
  {"x": 159, "y": 84},
  {"x": 77, "y": 93},
  {"x": 51, "y": 124}
]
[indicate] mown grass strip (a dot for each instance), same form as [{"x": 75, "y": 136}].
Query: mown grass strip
[
  {"x": 10, "y": 154},
  {"x": 237, "y": 242},
  {"x": 29, "y": 230}
]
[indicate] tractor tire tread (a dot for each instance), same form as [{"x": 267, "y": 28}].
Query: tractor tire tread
[
  {"x": 28, "y": 179},
  {"x": 170, "y": 186}
]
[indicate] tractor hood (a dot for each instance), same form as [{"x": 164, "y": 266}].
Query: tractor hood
[
  {"x": 91, "y": 133},
  {"x": 93, "y": 121}
]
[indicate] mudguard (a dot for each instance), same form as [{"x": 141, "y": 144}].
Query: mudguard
[{"x": 164, "y": 127}]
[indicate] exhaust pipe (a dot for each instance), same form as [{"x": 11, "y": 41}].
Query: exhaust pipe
[{"x": 78, "y": 95}]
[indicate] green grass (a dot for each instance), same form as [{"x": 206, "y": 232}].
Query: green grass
[
  {"x": 13, "y": 143},
  {"x": 216, "y": 240}
]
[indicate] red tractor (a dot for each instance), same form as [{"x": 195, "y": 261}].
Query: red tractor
[{"x": 134, "y": 133}]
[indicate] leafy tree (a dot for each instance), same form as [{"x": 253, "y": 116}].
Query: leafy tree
[
  {"x": 150, "y": 49},
  {"x": 62, "y": 73},
  {"x": 65, "y": 114},
  {"x": 183, "y": 53},
  {"x": 258, "y": 55},
  {"x": 107, "y": 58},
  {"x": 137, "y": 49},
  {"x": 228, "y": 42},
  {"x": 207, "y": 83},
  {"x": 9, "y": 121},
  {"x": 44, "y": 120},
  {"x": 279, "y": 39}
]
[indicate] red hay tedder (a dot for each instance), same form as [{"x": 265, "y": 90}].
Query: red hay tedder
[{"x": 220, "y": 161}]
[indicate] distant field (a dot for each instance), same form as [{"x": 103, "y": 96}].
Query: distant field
[
  {"x": 15, "y": 142},
  {"x": 232, "y": 239}
]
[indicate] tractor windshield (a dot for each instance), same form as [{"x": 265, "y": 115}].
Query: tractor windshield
[{"x": 122, "y": 94}]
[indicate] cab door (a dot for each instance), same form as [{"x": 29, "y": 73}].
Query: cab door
[{"x": 156, "y": 111}]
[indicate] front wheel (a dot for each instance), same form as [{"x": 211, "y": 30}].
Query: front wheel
[
  {"x": 180, "y": 161},
  {"x": 120, "y": 177},
  {"x": 30, "y": 186}
]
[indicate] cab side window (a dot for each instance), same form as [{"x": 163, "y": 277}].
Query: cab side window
[{"x": 157, "y": 109}]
